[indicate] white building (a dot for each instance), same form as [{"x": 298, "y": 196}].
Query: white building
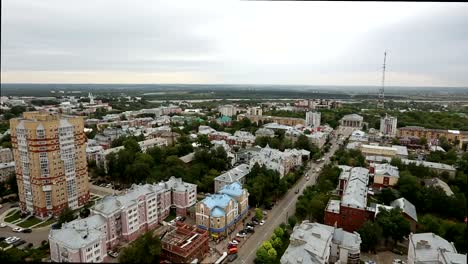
[
  {"x": 353, "y": 120},
  {"x": 313, "y": 119},
  {"x": 314, "y": 243},
  {"x": 265, "y": 132},
  {"x": 282, "y": 162},
  {"x": 227, "y": 110},
  {"x": 388, "y": 126},
  {"x": 429, "y": 248},
  {"x": 255, "y": 111}
]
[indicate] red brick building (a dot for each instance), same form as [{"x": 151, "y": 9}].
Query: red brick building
[{"x": 185, "y": 243}]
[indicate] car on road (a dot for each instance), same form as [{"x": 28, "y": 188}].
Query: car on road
[
  {"x": 2, "y": 225},
  {"x": 17, "y": 229},
  {"x": 112, "y": 254},
  {"x": 297, "y": 191},
  {"x": 232, "y": 257},
  {"x": 27, "y": 230},
  {"x": 307, "y": 178},
  {"x": 262, "y": 222}
]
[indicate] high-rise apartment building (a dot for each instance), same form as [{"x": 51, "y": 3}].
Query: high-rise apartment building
[
  {"x": 313, "y": 119},
  {"x": 51, "y": 169},
  {"x": 227, "y": 110},
  {"x": 388, "y": 125}
]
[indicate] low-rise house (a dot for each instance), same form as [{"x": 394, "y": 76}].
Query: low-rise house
[
  {"x": 429, "y": 248},
  {"x": 314, "y": 243},
  {"x": 6, "y": 155},
  {"x": 408, "y": 210},
  {"x": 236, "y": 174},
  {"x": 438, "y": 183},
  {"x": 433, "y": 166},
  {"x": 6, "y": 170},
  {"x": 385, "y": 175},
  {"x": 265, "y": 132}
]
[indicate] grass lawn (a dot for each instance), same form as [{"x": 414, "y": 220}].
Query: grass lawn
[
  {"x": 30, "y": 222},
  {"x": 171, "y": 216},
  {"x": 13, "y": 217},
  {"x": 3, "y": 244},
  {"x": 46, "y": 223}
]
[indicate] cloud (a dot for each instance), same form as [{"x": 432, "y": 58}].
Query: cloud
[{"x": 234, "y": 42}]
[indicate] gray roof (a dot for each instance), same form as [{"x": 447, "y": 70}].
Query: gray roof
[
  {"x": 235, "y": 174},
  {"x": 310, "y": 243},
  {"x": 406, "y": 207},
  {"x": 429, "y": 164},
  {"x": 436, "y": 182},
  {"x": 353, "y": 117},
  {"x": 431, "y": 248},
  {"x": 355, "y": 192},
  {"x": 178, "y": 185},
  {"x": 386, "y": 170}
]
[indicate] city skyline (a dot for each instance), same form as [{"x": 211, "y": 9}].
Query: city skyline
[{"x": 234, "y": 42}]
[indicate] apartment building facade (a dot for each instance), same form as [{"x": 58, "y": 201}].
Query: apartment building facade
[
  {"x": 118, "y": 218},
  {"x": 51, "y": 168}
]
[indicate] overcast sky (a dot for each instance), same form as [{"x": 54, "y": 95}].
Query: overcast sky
[{"x": 234, "y": 42}]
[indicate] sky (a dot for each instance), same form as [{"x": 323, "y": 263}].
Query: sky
[{"x": 234, "y": 42}]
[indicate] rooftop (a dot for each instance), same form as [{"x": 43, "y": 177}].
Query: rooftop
[
  {"x": 406, "y": 207},
  {"x": 234, "y": 189},
  {"x": 355, "y": 192},
  {"x": 431, "y": 248},
  {"x": 235, "y": 174},
  {"x": 436, "y": 182},
  {"x": 386, "y": 170}
]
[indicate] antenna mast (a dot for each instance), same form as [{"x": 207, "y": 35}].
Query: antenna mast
[{"x": 380, "y": 103}]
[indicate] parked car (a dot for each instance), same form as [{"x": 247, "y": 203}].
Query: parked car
[
  {"x": 297, "y": 191},
  {"x": 232, "y": 257},
  {"x": 262, "y": 222},
  {"x": 18, "y": 243},
  {"x": 250, "y": 230},
  {"x": 112, "y": 254},
  {"x": 236, "y": 239},
  {"x": 247, "y": 227},
  {"x": 231, "y": 246},
  {"x": 2, "y": 225},
  {"x": 241, "y": 235},
  {"x": 17, "y": 229},
  {"x": 11, "y": 240},
  {"x": 255, "y": 222},
  {"x": 232, "y": 251},
  {"x": 27, "y": 230},
  {"x": 234, "y": 242},
  {"x": 307, "y": 178},
  {"x": 265, "y": 213}
]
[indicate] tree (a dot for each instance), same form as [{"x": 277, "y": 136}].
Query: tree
[
  {"x": 371, "y": 233},
  {"x": 292, "y": 220},
  {"x": 146, "y": 249},
  {"x": 204, "y": 142},
  {"x": 387, "y": 196},
  {"x": 423, "y": 141},
  {"x": 12, "y": 183},
  {"x": 279, "y": 232},
  {"x": 132, "y": 145},
  {"x": 259, "y": 214},
  {"x": 66, "y": 216},
  {"x": 393, "y": 224}
]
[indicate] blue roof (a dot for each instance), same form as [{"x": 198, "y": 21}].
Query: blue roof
[
  {"x": 225, "y": 119},
  {"x": 234, "y": 189},
  {"x": 217, "y": 212},
  {"x": 217, "y": 200}
]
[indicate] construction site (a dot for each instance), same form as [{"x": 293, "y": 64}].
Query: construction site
[{"x": 184, "y": 243}]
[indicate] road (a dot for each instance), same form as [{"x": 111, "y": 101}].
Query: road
[{"x": 286, "y": 206}]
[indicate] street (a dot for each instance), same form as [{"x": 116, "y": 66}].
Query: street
[{"x": 286, "y": 206}]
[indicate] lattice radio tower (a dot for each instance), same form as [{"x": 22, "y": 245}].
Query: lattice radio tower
[{"x": 380, "y": 102}]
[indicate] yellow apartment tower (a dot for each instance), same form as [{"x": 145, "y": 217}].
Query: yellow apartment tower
[{"x": 51, "y": 170}]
